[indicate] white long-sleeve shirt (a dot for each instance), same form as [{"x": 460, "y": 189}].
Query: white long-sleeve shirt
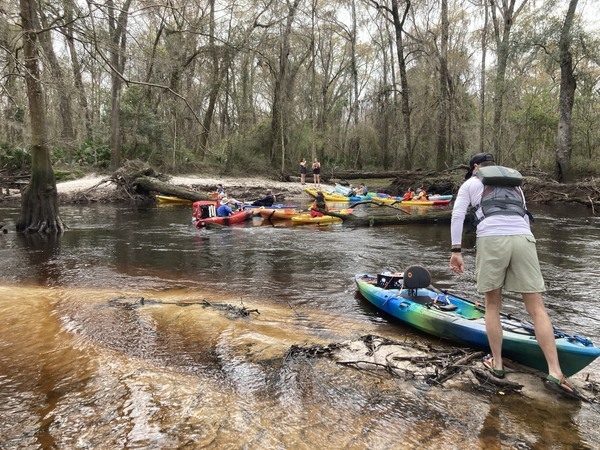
[{"x": 470, "y": 193}]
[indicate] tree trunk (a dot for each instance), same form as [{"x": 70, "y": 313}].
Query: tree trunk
[
  {"x": 568, "y": 85},
  {"x": 146, "y": 185},
  {"x": 399, "y": 219},
  {"x": 216, "y": 80},
  {"x": 405, "y": 95},
  {"x": 278, "y": 123},
  {"x": 39, "y": 205},
  {"x": 67, "y": 133},
  {"x": 117, "y": 31},
  {"x": 502, "y": 35},
  {"x": 355, "y": 142},
  {"x": 443, "y": 106},
  {"x": 76, "y": 65},
  {"x": 484, "y": 34}
]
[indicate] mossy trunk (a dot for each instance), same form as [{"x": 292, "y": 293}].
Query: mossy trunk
[{"x": 39, "y": 205}]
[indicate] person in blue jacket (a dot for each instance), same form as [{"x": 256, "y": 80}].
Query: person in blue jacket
[{"x": 224, "y": 209}]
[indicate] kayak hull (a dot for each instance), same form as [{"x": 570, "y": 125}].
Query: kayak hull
[
  {"x": 399, "y": 201},
  {"x": 171, "y": 199},
  {"x": 278, "y": 214},
  {"x": 236, "y": 217},
  {"x": 330, "y": 197},
  {"x": 466, "y": 325},
  {"x": 439, "y": 197},
  {"x": 308, "y": 219},
  {"x": 345, "y": 191}
]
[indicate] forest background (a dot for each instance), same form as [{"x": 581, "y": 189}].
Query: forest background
[{"x": 253, "y": 86}]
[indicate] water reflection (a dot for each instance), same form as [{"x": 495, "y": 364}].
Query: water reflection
[
  {"x": 41, "y": 250},
  {"x": 84, "y": 362}
]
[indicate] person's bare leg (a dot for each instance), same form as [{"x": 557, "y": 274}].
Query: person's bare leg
[
  {"x": 544, "y": 332},
  {"x": 493, "y": 326}
]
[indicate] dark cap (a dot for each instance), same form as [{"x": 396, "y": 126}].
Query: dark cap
[{"x": 478, "y": 159}]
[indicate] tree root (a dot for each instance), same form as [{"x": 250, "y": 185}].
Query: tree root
[{"x": 433, "y": 365}]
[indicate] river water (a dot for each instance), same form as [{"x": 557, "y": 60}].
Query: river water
[{"x": 85, "y": 363}]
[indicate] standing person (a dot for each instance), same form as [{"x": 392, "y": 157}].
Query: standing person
[
  {"x": 316, "y": 168},
  {"x": 506, "y": 258},
  {"x": 303, "y": 171}
]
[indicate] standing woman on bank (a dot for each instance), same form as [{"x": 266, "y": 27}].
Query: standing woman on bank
[
  {"x": 303, "y": 171},
  {"x": 316, "y": 168}
]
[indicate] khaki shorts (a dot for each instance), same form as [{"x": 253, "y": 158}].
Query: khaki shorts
[{"x": 508, "y": 262}]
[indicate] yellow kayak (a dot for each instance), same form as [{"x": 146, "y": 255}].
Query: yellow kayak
[
  {"x": 336, "y": 198},
  {"x": 278, "y": 214},
  {"x": 386, "y": 200},
  {"x": 171, "y": 199},
  {"x": 307, "y": 218}
]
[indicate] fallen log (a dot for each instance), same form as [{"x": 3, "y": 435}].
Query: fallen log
[
  {"x": 147, "y": 185},
  {"x": 401, "y": 218}
]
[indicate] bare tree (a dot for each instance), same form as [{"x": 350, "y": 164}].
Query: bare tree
[
  {"x": 39, "y": 205},
  {"x": 443, "y": 105},
  {"x": 62, "y": 91},
  {"x": 484, "y": 34},
  {"x": 76, "y": 66},
  {"x": 117, "y": 31},
  {"x": 502, "y": 29},
  {"x": 568, "y": 84},
  {"x": 399, "y": 22},
  {"x": 280, "y": 103}
]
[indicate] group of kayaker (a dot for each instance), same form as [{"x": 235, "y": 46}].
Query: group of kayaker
[
  {"x": 411, "y": 194},
  {"x": 223, "y": 201}
]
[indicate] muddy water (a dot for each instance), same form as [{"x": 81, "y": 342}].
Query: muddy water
[{"x": 86, "y": 363}]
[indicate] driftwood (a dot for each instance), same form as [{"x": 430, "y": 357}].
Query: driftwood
[
  {"x": 441, "y": 366},
  {"x": 403, "y": 217},
  {"x": 146, "y": 185},
  {"x": 404, "y": 359}
]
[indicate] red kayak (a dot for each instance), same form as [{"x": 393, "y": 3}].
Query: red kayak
[{"x": 205, "y": 212}]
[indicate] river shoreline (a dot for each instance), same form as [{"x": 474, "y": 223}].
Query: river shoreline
[{"x": 98, "y": 188}]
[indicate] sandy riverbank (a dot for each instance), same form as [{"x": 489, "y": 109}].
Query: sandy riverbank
[{"x": 101, "y": 188}]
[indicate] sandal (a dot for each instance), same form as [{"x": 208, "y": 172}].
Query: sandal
[
  {"x": 488, "y": 363},
  {"x": 562, "y": 386}
]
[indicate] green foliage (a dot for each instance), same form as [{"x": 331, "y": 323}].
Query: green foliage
[
  {"x": 246, "y": 154},
  {"x": 14, "y": 160},
  {"x": 94, "y": 154},
  {"x": 144, "y": 132},
  {"x": 583, "y": 167}
]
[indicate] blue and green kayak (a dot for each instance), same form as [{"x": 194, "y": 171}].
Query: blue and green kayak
[{"x": 462, "y": 321}]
